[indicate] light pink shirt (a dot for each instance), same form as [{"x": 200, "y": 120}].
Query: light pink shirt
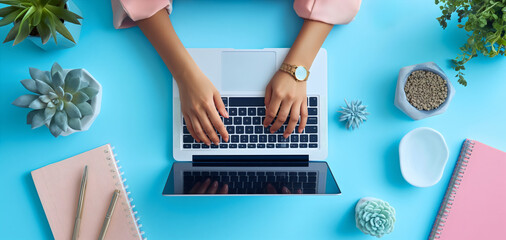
[{"x": 126, "y": 12}]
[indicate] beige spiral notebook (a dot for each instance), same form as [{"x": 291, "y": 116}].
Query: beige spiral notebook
[{"x": 58, "y": 187}]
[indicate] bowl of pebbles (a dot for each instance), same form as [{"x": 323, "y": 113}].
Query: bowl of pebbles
[{"x": 423, "y": 90}]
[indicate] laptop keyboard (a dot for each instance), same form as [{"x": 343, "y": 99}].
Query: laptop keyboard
[
  {"x": 246, "y": 130},
  {"x": 255, "y": 182}
]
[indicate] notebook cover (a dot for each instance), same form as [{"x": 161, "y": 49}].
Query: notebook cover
[
  {"x": 58, "y": 187},
  {"x": 474, "y": 205}
]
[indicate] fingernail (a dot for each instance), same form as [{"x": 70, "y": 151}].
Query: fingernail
[
  {"x": 215, "y": 184},
  {"x": 285, "y": 190}
]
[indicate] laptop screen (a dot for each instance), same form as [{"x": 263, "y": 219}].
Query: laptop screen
[{"x": 313, "y": 177}]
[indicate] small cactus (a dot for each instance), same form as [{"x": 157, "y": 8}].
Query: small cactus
[
  {"x": 353, "y": 114},
  {"x": 60, "y": 100}
]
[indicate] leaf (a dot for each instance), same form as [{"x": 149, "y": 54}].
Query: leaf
[
  {"x": 57, "y": 79},
  {"x": 54, "y": 129},
  {"x": 49, "y": 22},
  {"x": 10, "y": 17},
  {"x": 80, "y": 97},
  {"x": 59, "y": 91},
  {"x": 49, "y": 113},
  {"x": 44, "y": 32},
  {"x": 23, "y": 32},
  {"x": 10, "y": 2},
  {"x": 6, "y": 10},
  {"x": 12, "y": 33},
  {"x": 30, "y": 115},
  {"x": 38, "y": 119},
  {"x": 91, "y": 92},
  {"x": 67, "y": 97},
  {"x": 73, "y": 80},
  {"x": 43, "y": 87},
  {"x": 37, "y": 104},
  {"x": 64, "y": 14},
  {"x": 56, "y": 68},
  {"x": 37, "y": 17},
  {"x": 61, "y": 28},
  {"x": 75, "y": 123},
  {"x": 45, "y": 99},
  {"x": 39, "y": 75},
  {"x": 25, "y": 100},
  {"x": 60, "y": 118},
  {"x": 85, "y": 108},
  {"x": 30, "y": 85},
  {"x": 72, "y": 110}
]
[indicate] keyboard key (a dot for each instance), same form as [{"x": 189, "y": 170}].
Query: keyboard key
[
  {"x": 313, "y": 101},
  {"x": 185, "y": 130},
  {"x": 272, "y": 138},
  {"x": 205, "y": 146},
  {"x": 242, "y": 111},
  {"x": 312, "y": 120},
  {"x": 257, "y": 121},
  {"x": 249, "y": 129},
  {"x": 309, "y": 185},
  {"x": 196, "y": 146},
  {"x": 303, "y": 145},
  {"x": 227, "y": 121},
  {"x": 308, "y": 191},
  {"x": 282, "y": 139},
  {"x": 303, "y": 138},
  {"x": 259, "y": 129},
  {"x": 222, "y": 145},
  {"x": 294, "y": 145},
  {"x": 261, "y": 111},
  {"x": 261, "y": 145},
  {"x": 237, "y": 120},
  {"x": 313, "y": 138},
  {"x": 242, "y": 145},
  {"x": 234, "y": 138},
  {"x": 270, "y": 145},
  {"x": 225, "y": 101},
  {"x": 311, "y": 179},
  {"x": 252, "y": 111},
  {"x": 241, "y": 173},
  {"x": 267, "y": 130},
  {"x": 282, "y": 145},
  {"x": 281, "y": 129},
  {"x": 184, "y": 122},
  {"x": 262, "y": 138},
  {"x": 239, "y": 129},
  {"x": 233, "y": 145},
  {"x": 214, "y": 146},
  {"x": 244, "y": 138},
  {"x": 311, "y": 129},
  {"x": 246, "y": 120},
  {"x": 187, "y": 138},
  {"x": 294, "y": 138},
  {"x": 187, "y": 146},
  {"x": 312, "y": 111},
  {"x": 230, "y": 129},
  {"x": 313, "y": 145},
  {"x": 246, "y": 101},
  {"x": 232, "y": 174},
  {"x": 232, "y": 111},
  {"x": 253, "y": 138},
  {"x": 251, "y": 145}
]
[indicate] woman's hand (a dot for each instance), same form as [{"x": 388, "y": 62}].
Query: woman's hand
[
  {"x": 200, "y": 104},
  {"x": 284, "y": 96}
]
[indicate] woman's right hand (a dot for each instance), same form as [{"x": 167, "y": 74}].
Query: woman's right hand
[{"x": 200, "y": 104}]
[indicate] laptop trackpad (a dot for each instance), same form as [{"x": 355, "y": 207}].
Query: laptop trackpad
[{"x": 247, "y": 70}]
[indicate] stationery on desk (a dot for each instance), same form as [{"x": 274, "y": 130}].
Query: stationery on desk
[
  {"x": 60, "y": 186},
  {"x": 473, "y": 206}
]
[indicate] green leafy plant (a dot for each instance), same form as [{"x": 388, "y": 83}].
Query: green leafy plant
[
  {"x": 486, "y": 21},
  {"x": 60, "y": 100},
  {"x": 38, "y": 18}
]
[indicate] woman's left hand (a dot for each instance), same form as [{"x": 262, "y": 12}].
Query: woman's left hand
[{"x": 284, "y": 96}]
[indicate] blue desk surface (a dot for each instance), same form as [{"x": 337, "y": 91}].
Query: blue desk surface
[{"x": 364, "y": 58}]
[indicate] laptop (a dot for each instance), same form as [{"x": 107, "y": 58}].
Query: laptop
[{"x": 253, "y": 161}]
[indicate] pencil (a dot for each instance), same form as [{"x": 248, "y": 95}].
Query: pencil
[
  {"x": 80, "y": 203},
  {"x": 108, "y": 215}
]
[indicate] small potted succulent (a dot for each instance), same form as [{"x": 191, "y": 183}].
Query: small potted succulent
[
  {"x": 39, "y": 20},
  {"x": 65, "y": 100}
]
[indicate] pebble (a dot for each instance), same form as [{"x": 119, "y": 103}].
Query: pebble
[{"x": 425, "y": 90}]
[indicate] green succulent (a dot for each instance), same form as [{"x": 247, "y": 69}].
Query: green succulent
[
  {"x": 37, "y": 17},
  {"x": 61, "y": 100}
]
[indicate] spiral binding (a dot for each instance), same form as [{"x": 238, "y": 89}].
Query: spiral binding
[
  {"x": 451, "y": 191},
  {"x": 128, "y": 206}
]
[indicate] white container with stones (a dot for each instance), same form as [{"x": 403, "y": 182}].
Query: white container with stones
[{"x": 401, "y": 100}]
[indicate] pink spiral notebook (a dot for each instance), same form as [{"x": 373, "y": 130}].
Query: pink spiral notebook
[
  {"x": 58, "y": 187},
  {"x": 474, "y": 206}
]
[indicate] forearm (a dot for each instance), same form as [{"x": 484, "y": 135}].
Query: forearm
[
  {"x": 160, "y": 32},
  {"x": 308, "y": 43}
]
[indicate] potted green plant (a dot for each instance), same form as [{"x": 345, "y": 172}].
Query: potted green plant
[
  {"x": 486, "y": 22},
  {"x": 39, "y": 20}
]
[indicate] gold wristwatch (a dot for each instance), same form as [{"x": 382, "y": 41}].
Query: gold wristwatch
[{"x": 300, "y": 73}]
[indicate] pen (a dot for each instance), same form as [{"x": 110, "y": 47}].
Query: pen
[
  {"x": 108, "y": 215},
  {"x": 80, "y": 203}
]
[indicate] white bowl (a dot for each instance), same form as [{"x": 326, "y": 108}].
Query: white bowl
[{"x": 423, "y": 154}]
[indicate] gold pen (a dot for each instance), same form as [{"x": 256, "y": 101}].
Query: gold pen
[
  {"x": 108, "y": 215},
  {"x": 80, "y": 203}
]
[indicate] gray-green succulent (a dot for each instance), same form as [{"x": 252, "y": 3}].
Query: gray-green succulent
[{"x": 60, "y": 101}]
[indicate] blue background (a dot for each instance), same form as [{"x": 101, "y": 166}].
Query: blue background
[{"x": 364, "y": 58}]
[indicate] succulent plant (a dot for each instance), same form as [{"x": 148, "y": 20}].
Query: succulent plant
[
  {"x": 37, "y": 17},
  {"x": 353, "y": 114},
  {"x": 374, "y": 217},
  {"x": 60, "y": 100}
]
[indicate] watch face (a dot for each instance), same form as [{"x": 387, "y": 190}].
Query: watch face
[{"x": 300, "y": 73}]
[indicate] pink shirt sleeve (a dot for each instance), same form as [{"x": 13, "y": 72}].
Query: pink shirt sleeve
[
  {"x": 126, "y": 12},
  {"x": 327, "y": 11}
]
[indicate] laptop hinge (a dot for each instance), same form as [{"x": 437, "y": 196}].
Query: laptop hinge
[{"x": 250, "y": 160}]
